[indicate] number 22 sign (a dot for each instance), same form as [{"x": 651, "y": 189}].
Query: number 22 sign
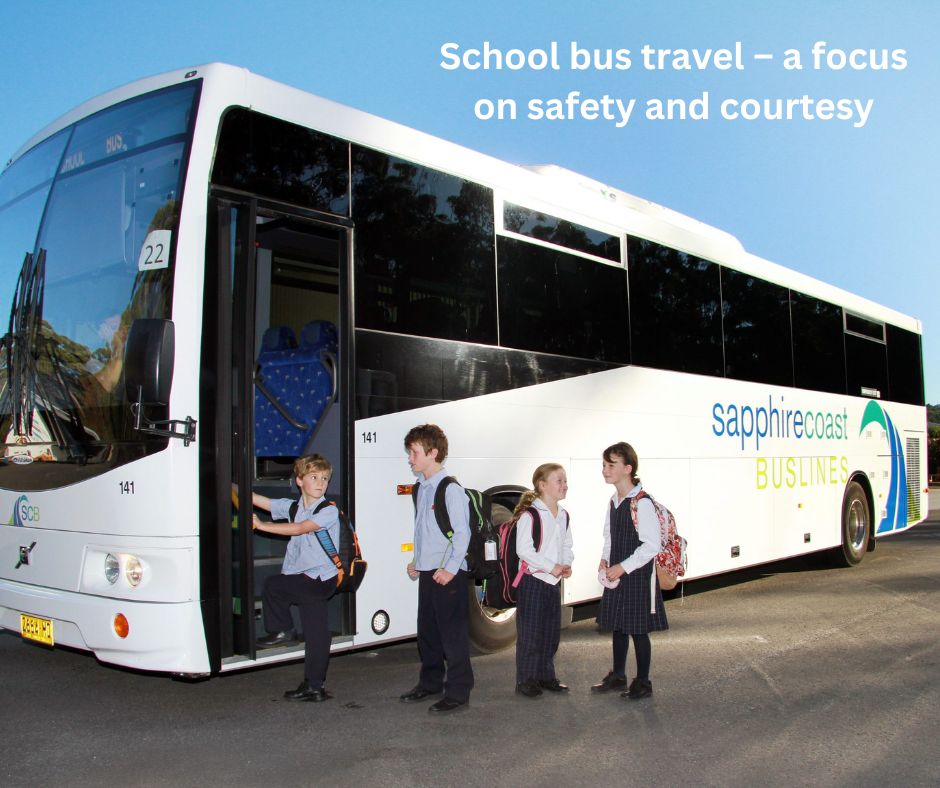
[{"x": 155, "y": 253}]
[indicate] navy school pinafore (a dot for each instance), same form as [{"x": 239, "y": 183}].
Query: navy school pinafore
[{"x": 626, "y": 608}]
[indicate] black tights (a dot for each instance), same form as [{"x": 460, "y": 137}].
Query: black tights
[{"x": 641, "y": 644}]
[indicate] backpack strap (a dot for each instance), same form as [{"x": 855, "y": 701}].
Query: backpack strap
[
  {"x": 440, "y": 508},
  {"x": 536, "y": 540},
  {"x": 634, "y": 501},
  {"x": 536, "y": 527},
  {"x": 323, "y": 536}
]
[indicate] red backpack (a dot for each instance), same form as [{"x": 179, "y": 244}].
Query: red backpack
[
  {"x": 500, "y": 590},
  {"x": 671, "y": 560}
]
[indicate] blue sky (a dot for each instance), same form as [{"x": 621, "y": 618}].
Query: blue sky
[{"x": 851, "y": 206}]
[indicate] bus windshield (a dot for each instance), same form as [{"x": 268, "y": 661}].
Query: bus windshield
[{"x": 87, "y": 225}]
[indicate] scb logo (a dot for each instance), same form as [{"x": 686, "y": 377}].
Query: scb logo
[{"x": 24, "y": 513}]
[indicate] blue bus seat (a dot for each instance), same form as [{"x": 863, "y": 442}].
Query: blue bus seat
[
  {"x": 294, "y": 389},
  {"x": 278, "y": 338}
]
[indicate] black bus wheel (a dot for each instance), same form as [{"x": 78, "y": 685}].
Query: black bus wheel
[{"x": 856, "y": 526}]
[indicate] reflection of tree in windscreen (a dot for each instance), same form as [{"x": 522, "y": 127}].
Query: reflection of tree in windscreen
[
  {"x": 150, "y": 295},
  {"x": 94, "y": 377}
]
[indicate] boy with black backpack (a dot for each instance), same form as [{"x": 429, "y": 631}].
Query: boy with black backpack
[
  {"x": 308, "y": 575},
  {"x": 439, "y": 566}
]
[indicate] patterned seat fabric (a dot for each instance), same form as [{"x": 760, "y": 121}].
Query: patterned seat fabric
[{"x": 296, "y": 380}]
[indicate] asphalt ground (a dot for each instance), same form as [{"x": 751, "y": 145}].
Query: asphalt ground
[{"x": 790, "y": 674}]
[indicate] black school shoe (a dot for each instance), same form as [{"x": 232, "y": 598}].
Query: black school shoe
[
  {"x": 528, "y": 689},
  {"x": 307, "y": 693},
  {"x": 639, "y": 688},
  {"x": 610, "y": 682},
  {"x": 416, "y": 694},
  {"x": 554, "y": 685},
  {"x": 277, "y": 639},
  {"x": 447, "y": 704}
]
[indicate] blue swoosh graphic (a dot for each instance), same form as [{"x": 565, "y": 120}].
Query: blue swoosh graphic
[{"x": 896, "y": 508}]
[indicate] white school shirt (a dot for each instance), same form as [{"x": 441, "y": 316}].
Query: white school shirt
[
  {"x": 647, "y": 527},
  {"x": 555, "y": 547}
]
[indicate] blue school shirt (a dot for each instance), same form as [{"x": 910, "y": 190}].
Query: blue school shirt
[
  {"x": 432, "y": 549},
  {"x": 304, "y": 553}
]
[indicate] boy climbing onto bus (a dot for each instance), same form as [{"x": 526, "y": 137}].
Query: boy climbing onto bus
[
  {"x": 439, "y": 566},
  {"x": 308, "y": 575}
]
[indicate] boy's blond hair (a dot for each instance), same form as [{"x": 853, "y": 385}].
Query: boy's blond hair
[{"x": 311, "y": 462}]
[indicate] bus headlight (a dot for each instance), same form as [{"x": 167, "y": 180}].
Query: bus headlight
[
  {"x": 133, "y": 570},
  {"x": 112, "y": 568},
  {"x": 132, "y": 567}
]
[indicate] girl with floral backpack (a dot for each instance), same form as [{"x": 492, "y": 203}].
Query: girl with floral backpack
[{"x": 632, "y": 603}]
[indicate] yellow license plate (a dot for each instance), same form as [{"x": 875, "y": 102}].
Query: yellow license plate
[{"x": 38, "y": 629}]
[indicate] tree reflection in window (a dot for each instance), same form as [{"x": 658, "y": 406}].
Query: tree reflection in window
[
  {"x": 425, "y": 263},
  {"x": 551, "y": 229},
  {"x": 675, "y": 309}
]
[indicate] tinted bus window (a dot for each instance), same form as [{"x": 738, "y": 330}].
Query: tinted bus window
[
  {"x": 867, "y": 328},
  {"x": 866, "y": 363},
  {"x": 675, "y": 309},
  {"x": 905, "y": 366},
  {"x": 551, "y": 229},
  {"x": 553, "y": 302},
  {"x": 756, "y": 326},
  {"x": 425, "y": 261},
  {"x": 818, "y": 346},
  {"x": 289, "y": 163}
]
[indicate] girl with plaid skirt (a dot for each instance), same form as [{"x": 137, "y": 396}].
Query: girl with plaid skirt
[
  {"x": 543, "y": 543},
  {"x": 632, "y": 603}
]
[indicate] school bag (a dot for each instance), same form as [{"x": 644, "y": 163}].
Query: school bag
[
  {"x": 501, "y": 589},
  {"x": 671, "y": 560},
  {"x": 350, "y": 567},
  {"x": 481, "y": 562}
]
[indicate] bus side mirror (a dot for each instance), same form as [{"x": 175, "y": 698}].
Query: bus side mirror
[
  {"x": 148, "y": 377},
  {"x": 148, "y": 361}
]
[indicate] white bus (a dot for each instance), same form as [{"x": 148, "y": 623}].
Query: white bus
[{"x": 296, "y": 276}]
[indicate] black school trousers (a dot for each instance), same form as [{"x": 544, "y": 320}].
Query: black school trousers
[
  {"x": 311, "y": 596},
  {"x": 443, "y": 636}
]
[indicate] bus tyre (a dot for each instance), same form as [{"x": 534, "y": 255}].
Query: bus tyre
[
  {"x": 490, "y": 629},
  {"x": 856, "y": 526}
]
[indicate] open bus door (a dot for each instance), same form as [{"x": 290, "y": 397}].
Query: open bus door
[{"x": 281, "y": 390}]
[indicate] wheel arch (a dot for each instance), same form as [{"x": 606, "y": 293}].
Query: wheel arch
[{"x": 861, "y": 478}]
